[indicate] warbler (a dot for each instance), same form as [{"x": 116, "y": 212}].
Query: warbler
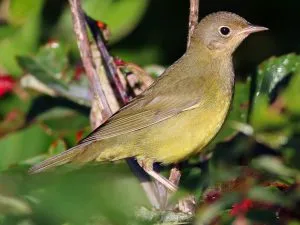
[{"x": 180, "y": 113}]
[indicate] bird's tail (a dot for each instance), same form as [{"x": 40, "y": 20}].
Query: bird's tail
[{"x": 56, "y": 160}]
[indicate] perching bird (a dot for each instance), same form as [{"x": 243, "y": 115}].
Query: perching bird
[{"x": 180, "y": 113}]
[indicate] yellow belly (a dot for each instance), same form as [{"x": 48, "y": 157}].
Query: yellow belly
[{"x": 171, "y": 140}]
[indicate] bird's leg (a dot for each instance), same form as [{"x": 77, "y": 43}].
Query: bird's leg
[{"x": 148, "y": 167}]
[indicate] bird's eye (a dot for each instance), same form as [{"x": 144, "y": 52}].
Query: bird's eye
[{"x": 224, "y": 31}]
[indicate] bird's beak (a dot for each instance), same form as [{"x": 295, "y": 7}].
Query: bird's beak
[{"x": 253, "y": 29}]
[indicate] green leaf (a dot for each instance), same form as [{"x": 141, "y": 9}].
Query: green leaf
[
  {"x": 272, "y": 71},
  {"x": 40, "y": 70},
  {"x": 12, "y": 102},
  {"x": 48, "y": 65},
  {"x": 131, "y": 11},
  {"x": 22, "y": 34},
  {"x": 291, "y": 96},
  {"x": 271, "y": 125},
  {"x": 121, "y": 16},
  {"x": 20, "y": 12},
  {"x": 14, "y": 206},
  {"x": 13, "y": 111},
  {"x": 266, "y": 118},
  {"x": 99, "y": 190},
  {"x": 54, "y": 56},
  {"x": 12, "y": 121},
  {"x": 273, "y": 165},
  {"x": 7, "y": 31},
  {"x": 22, "y": 145},
  {"x": 267, "y": 195},
  {"x": 23, "y": 41},
  {"x": 63, "y": 120},
  {"x": 51, "y": 73},
  {"x": 213, "y": 211},
  {"x": 57, "y": 147}
]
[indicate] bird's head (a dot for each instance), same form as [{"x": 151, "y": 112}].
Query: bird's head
[{"x": 222, "y": 32}]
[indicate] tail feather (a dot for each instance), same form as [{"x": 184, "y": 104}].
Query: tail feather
[{"x": 56, "y": 160}]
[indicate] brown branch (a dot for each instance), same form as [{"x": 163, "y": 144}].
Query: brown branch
[
  {"x": 108, "y": 62},
  {"x": 79, "y": 26},
  {"x": 193, "y": 20}
]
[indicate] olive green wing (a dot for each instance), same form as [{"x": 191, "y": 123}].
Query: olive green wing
[{"x": 141, "y": 114}]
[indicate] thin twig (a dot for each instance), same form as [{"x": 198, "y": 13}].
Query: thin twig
[
  {"x": 193, "y": 20},
  {"x": 108, "y": 64},
  {"x": 86, "y": 55}
]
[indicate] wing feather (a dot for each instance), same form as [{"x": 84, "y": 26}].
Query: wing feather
[{"x": 133, "y": 119}]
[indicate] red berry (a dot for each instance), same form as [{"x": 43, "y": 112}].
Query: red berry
[
  {"x": 242, "y": 207},
  {"x": 212, "y": 196},
  {"x": 79, "y": 135},
  {"x": 101, "y": 25},
  {"x": 119, "y": 62},
  {"x": 79, "y": 70},
  {"x": 7, "y": 83}
]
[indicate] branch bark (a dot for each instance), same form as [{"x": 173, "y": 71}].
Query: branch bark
[
  {"x": 79, "y": 27},
  {"x": 193, "y": 20}
]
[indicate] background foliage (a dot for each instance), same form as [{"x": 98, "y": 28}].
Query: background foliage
[{"x": 253, "y": 173}]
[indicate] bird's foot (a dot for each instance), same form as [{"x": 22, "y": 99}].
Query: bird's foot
[
  {"x": 148, "y": 167},
  {"x": 187, "y": 205}
]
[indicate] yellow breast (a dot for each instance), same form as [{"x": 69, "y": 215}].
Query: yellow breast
[{"x": 185, "y": 134}]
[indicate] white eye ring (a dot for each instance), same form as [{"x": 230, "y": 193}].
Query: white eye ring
[{"x": 224, "y": 31}]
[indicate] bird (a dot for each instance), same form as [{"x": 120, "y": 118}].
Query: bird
[{"x": 180, "y": 113}]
